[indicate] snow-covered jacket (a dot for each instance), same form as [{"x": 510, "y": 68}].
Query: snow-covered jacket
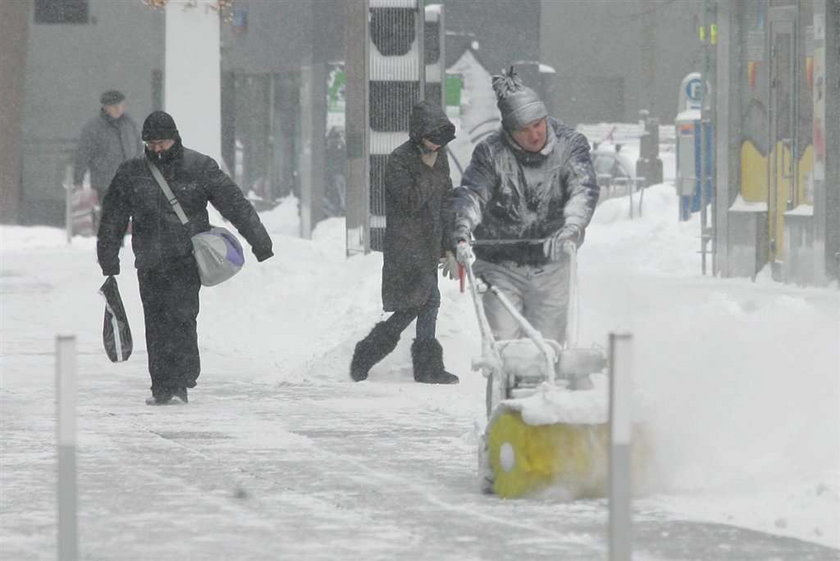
[
  {"x": 509, "y": 193},
  {"x": 105, "y": 143},
  {"x": 158, "y": 237},
  {"x": 414, "y": 199}
]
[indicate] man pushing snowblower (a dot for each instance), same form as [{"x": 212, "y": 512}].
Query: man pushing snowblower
[
  {"x": 516, "y": 222},
  {"x": 529, "y": 189}
]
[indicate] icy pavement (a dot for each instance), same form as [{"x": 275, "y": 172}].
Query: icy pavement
[
  {"x": 280, "y": 456},
  {"x": 250, "y": 470}
]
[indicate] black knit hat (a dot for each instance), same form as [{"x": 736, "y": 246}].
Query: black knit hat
[
  {"x": 111, "y": 97},
  {"x": 159, "y": 125}
]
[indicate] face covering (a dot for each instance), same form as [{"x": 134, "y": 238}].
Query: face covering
[
  {"x": 426, "y": 150},
  {"x": 163, "y": 157}
]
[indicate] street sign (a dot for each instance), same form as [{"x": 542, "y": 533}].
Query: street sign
[{"x": 691, "y": 92}]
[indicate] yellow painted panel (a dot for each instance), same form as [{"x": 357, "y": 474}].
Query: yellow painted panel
[
  {"x": 753, "y": 174},
  {"x": 755, "y": 184},
  {"x": 778, "y": 203}
]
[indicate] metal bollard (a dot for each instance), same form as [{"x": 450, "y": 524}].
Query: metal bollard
[
  {"x": 621, "y": 440},
  {"x": 65, "y": 383}
]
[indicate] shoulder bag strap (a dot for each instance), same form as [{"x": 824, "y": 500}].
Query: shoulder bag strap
[{"x": 170, "y": 196}]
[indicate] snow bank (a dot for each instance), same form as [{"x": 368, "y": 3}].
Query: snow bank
[{"x": 741, "y": 380}]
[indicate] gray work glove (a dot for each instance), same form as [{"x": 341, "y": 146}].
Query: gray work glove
[
  {"x": 463, "y": 253},
  {"x": 561, "y": 242},
  {"x": 449, "y": 266},
  {"x": 460, "y": 234}
]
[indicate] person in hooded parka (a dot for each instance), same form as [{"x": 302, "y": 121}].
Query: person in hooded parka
[{"x": 417, "y": 184}]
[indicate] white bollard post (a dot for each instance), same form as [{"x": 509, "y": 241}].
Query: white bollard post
[
  {"x": 621, "y": 436},
  {"x": 65, "y": 383}
]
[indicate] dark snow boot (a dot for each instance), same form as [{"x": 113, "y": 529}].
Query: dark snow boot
[
  {"x": 164, "y": 398},
  {"x": 427, "y": 356},
  {"x": 181, "y": 393},
  {"x": 373, "y": 348}
]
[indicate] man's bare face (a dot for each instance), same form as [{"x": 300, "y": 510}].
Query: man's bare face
[
  {"x": 532, "y": 136},
  {"x": 116, "y": 110}
]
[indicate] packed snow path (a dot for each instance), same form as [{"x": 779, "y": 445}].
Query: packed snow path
[
  {"x": 257, "y": 471},
  {"x": 280, "y": 456}
]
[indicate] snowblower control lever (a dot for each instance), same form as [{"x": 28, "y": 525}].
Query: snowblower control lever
[{"x": 509, "y": 242}]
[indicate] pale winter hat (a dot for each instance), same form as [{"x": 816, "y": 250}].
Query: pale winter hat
[{"x": 518, "y": 103}]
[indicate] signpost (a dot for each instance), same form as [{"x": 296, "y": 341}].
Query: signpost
[
  {"x": 621, "y": 446},
  {"x": 65, "y": 383},
  {"x": 192, "y": 90}
]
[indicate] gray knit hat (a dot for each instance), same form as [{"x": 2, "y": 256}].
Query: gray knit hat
[{"x": 518, "y": 103}]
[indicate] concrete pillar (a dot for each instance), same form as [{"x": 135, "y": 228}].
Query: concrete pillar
[
  {"x": 192, "y": 79},
  {"x": 14, "y": 31},
  {"x": 356, "y": 67}
]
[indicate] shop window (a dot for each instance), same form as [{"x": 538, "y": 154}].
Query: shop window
[{"x": 61, "y": 11}]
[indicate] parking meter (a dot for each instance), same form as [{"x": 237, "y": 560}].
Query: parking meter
[
  {"x": 689, "y": 138},
  {"x": 649, "y": 165}
]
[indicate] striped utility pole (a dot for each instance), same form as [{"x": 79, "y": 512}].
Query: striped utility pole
[
  {"x": 65, "y": 384},
  {"x": 621, "y": 440}
]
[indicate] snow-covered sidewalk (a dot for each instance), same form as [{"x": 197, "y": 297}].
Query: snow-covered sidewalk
[{"x": 280, "y": 456}]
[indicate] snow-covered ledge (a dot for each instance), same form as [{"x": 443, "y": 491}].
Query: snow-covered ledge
[{"x": 740, "y": 205}]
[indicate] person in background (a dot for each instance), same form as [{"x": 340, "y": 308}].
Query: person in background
[
  {"x": 417, "y": 183},
  {"x": 107, "y": 140},
  {"x": 531, "y": 183},
  {"x": 335, "y": 185},
  {"x": 166, "y": 268}
]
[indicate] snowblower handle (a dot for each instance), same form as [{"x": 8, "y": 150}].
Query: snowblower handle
[
  {"x": 508, "y": 242},
  {"x": 573, "y": 313}
]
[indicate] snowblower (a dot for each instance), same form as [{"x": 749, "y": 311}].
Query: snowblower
[{"x": 547, "y": 405}]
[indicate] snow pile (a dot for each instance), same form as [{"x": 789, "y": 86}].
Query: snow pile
[
  {"x": 738, "y": 383},
  {"x": 31, "y": 237},
  {"x": 740, "y": 379},
  {"x": 551, "y": 404}
]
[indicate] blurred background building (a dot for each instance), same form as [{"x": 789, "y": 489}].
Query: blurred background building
[
  {"x": 773, "y": 103},
  {"x": 77, "y": 49}
]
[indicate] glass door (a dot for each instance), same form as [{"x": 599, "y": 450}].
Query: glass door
[{"x": 782, "y": 163}]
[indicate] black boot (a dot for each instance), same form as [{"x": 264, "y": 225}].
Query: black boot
[
  {"x": 373, "y": 348},
  {"x": 427, "y": 356},
  {"x": 181, "y": 393}
]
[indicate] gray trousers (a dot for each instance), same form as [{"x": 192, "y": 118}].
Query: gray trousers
[{"x": 540, "y": 293}]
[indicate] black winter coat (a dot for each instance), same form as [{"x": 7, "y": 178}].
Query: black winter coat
[
  {"x": 105, "y": 144},
  {"x": 158, "y": 237},
  {"x": 414, "y": 197}
]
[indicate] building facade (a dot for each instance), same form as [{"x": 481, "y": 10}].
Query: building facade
[
  {"x": 776, "y": 99},
  {"x": 277, "y": 59},
  {"x": 614, "y": 59}
]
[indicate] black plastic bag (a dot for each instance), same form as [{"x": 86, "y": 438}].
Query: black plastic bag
[{"x": 116, "y": 335}]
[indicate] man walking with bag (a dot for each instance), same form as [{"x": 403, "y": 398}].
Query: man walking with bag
[{"x": 166, "y": 268}]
